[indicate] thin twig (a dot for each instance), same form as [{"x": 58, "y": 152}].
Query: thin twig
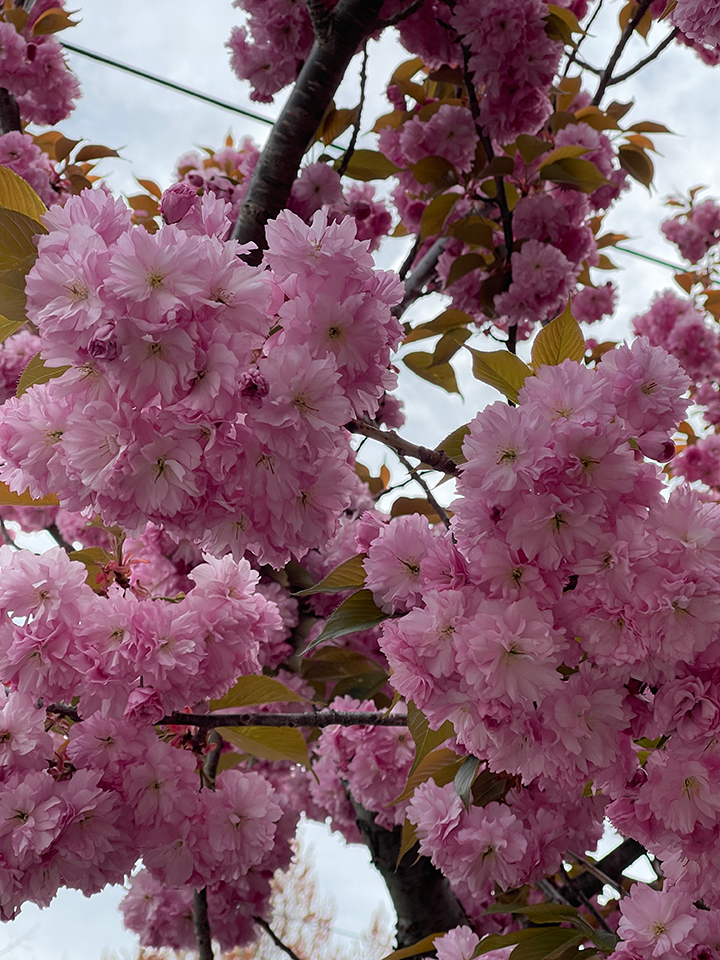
[
  {"x": 202, "y": 925},
  {"x": 408, "y": 261},
  {"x": 275, "y": 938},
  {"x": 325, "y": 718},
  {"x": 648, "y": 59},
  {"x": 321, "y": 19},
  {"x": 356, "y": 124},
  {"x": 52, "y": 529},
  {"x": 401, "y": 14},
  {"x": 588, "y": 66},
  {"x": 593, "y": 869},
  {"x": 7, "y": 536},
  {"x": 618, "y": 51},
  {"x": 413, "y": 471},
  {"x": 587, "y": 903},
  {"x": 572, "y": 58},
  {"x": 437, "y": 459}
]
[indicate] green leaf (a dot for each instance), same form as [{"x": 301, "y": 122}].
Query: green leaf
[
  {"x": 453, "y": 442},
  {"x": 36, "y": 372},
  {"x": 537, "y": 912},
  {"x": 8, "y": 328},
  {"x": 464, "y": 779},
  {"x": 12, "y": 296},
  {"x": 637, "y": 163},
  {"x": 568, "y": 152},
  {"x": 254, "y": 690},
  {"x": 436, "y": 213},
  {"x": 94, "y": 151},
  {"x": 358, "y": 612},
  {"x": 440, "y": 765},
  {"x": 547, "y": 943},
  {"x": 442, "y": 376},
  {"x": 531, "y": 147},
  {"x": 368, "y": 165},
  {"x": 450, "y": 319},
  {"x": 489, "y": 786},
  {"x": 430, "y": 169},
  {"x": 463, "y": 265},
  {"x": 17, "y": 194},
  {"x": 408, "y": 839},
  {"x": 269, "y": 743},
  {"x": 449, "y": 344},
  {"x": 10, "y": 499},
  {"x": 347, "y": 576},
  {"x": 500, "y": 369},
  {"x": 474, "y": 230},
  {"x": 573, "y": 172},
  {"x": 53, "y": 21},
  {"x": 425, "y": 739},
  {"x": 422, "y": 946},
  {"x": 16, "y": 239},
  {"x": 560, "y": 340}
]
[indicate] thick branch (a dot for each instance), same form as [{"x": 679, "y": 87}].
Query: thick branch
[
  {"x": 648, "y": 59},
  {"x": 326, "y": 718},
  {"x": 352, "y": 22},
  {"x": 202, "y": 925},
  {"x": 437, "y": 459},
  {"x": 606, "y": 77},
  {"x": 9, "y": 113},
  {"x": 422, "y": 896},
  {"x": 423, "y": 273},
  {"x": 321, "y": 19},
  {"x": 402, "y": 14}
]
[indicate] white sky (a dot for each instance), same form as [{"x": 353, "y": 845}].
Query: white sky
[{"x": 152, "y": 127}]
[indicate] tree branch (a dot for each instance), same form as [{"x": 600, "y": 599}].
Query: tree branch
[
  {"x": 321, "y": 19},
  {"x": 606, "y": 77},
  {"x": 275, "y": 938},
  {"x": 421, "y": 895},
  {"x": 587, "y": 884},
  {"x": 352, "y": 22},
  {"x": 53, "y": 530},
  {"x": 356, "y": 125},
  {"x": 648, "y": 59},
  {"x": 402, "y": 14},
  {"x": 326, "y": 718},
  {"x": 9, "y": 113},
  {"x": 421, "y": 275},
  {"x": 413, "y": 471},
  {"x": 437, "y": 459},
  {"x": 202, "y": 925}
]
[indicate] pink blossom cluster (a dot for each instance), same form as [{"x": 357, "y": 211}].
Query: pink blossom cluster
[
  {"x": 201, "y": 393},
  {"x": 80, "y": 805},
  {"x": 270, "y": 50},
  {"x": 665, "y": 923},
  {"x": 675, "y": 324},
  {"x": 225, "y": 173},
  {"x": 579, "y": 617},
  {"x": 506, "y": 843},
  {"x": 696, "y": 231},
  {"x": 20, "y": 153},
  {"x": 699, "y": 20},
  {"x": 34, "y": 71},
  {"x": 513, "y": 63}
]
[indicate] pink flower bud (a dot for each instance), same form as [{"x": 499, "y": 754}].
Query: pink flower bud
[{"x": 176, "y": 201}]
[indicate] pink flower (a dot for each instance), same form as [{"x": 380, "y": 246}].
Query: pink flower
[{"x": 656, "y": 923}]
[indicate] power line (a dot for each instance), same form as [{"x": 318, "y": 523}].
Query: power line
[
  {"x": 223, "y": 104},
  {"x": 646, "y": 256}
]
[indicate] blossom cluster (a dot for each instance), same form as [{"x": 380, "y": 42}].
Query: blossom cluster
[
  {"x": 81, "y": 803},
  {"x": 200, "y": 393},
  {"x": 34, "y": 71},
  {"x": 695, "y": 231},
  {"x": 20, "y": 153}
]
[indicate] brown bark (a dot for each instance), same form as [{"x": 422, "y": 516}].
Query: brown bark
[
  {"x": 9, "y": 112},
  {"x": 352, "y": 21}
]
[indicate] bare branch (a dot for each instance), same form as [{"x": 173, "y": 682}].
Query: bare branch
[
  {"x": 572, "y": 56},
  {"x": 612, "y": 865},
  {"x": 275, "y": 938},
  {"x": 293, "y": 132},
  {"x": 648, "y": 59},
  {"x": 53, "y": 530},
  {"x": 606, "y": 77},
  {"x": 437, "y": 459},
  {"x": 421, "y": 276},
  {"x": 326, "y": 718},
  {"x": 356, "y": 125},
  {"x": 429, "y": 496},
  {"x": 202, "y": 925}
]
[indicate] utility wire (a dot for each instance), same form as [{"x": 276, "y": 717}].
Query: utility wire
[
  {"x": 646, "y": 256},
  {"x": 223, "y": 104}
]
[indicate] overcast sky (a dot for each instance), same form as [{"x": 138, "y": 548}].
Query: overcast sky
[{"x": 152, "y": 127}]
